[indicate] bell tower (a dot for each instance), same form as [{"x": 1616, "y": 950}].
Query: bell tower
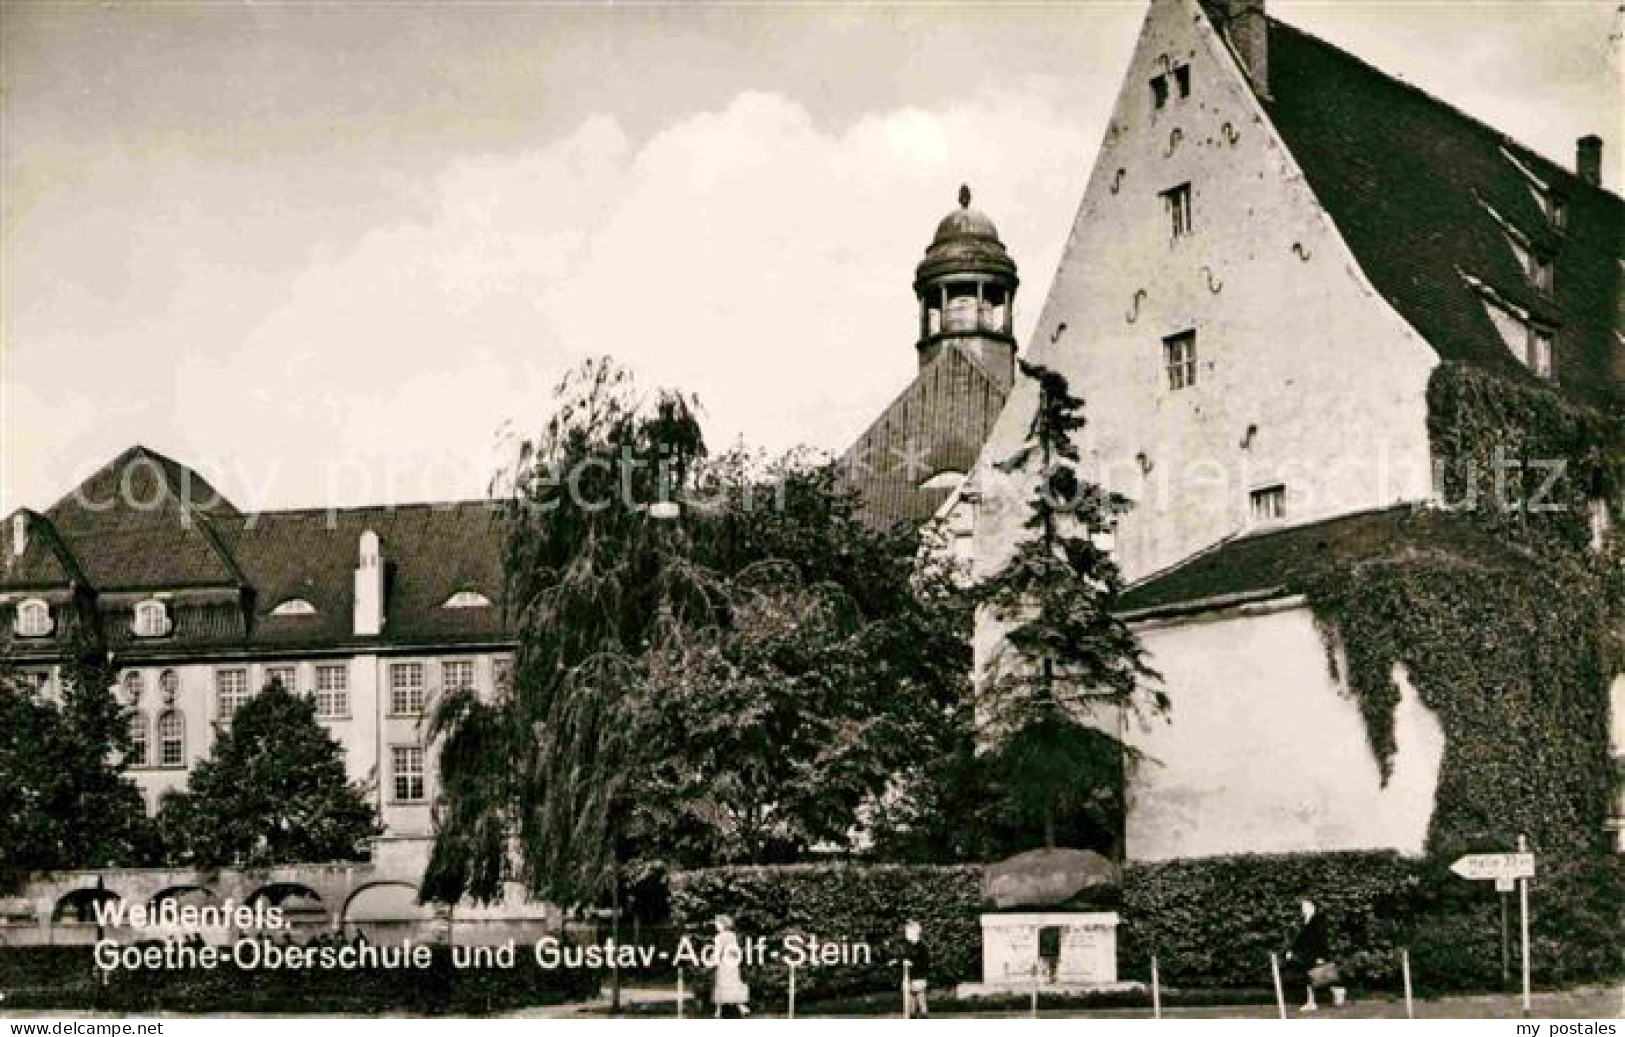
[{"x": 966, "y": 285}]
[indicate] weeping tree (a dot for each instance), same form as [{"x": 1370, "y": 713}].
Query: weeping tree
[
  {"x": 1068, "y": 670},
  {"x": 535, "y": 780}
]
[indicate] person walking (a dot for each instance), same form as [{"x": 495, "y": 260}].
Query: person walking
[
  {"x": 729, "y": 993},
  {"x": 1306, "y": 957}
]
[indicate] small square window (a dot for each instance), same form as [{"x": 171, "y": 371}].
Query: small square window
[
  {"x": 406, "y": 692},
  {"x": 406, "y": 772},
  {"x": 1182, "y": 80},
  {"x": 1177, "y": 203},
  {"x": 1269, "y": 503},
  {"x": 1159, "y": 92},
  {"x": 1179, "y": 359}
]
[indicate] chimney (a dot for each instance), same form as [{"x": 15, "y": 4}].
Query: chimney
[
  {"x": 1245, "y": 25},
  {"x": 369, "y": 588},
  {"x": 19, "y": 535},
  {"x": 1588, "y": 159}
]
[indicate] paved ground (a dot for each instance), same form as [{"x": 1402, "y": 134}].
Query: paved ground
[{"x": 1581, "y": 1003}]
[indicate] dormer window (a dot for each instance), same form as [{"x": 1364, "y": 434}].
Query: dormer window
[
  {"x": 467, "y": 600},
  {"x": 294, "y": 607},
  {"x": 1540, "y": 271},
  {"x": 1557, "y": 209},
  {"x": 151, "y": 619},
  {"x": 33, "y": 618},
  {"x": 1539, "y": 357}
]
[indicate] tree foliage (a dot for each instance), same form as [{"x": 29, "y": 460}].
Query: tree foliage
[
  {"x": 65, "y": 800},
  {"x": 1067, "y": 666},
  {"x": 272, "y": 791},
  {"x": 724, "y": 686}
]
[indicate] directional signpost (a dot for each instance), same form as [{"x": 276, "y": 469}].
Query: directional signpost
[{"x": 1504, "y": 869}]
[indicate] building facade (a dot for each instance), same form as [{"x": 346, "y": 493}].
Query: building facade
[
  {"x": 371, "y": 612},
  {"x": 1277, "y": 248}
]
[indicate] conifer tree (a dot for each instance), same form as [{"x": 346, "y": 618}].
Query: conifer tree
[{"x": 1068, "y": 667}]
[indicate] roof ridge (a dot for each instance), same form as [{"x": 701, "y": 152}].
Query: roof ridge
[
  {"x": 450, "y": 504},
  {"x": 1572, "y": 178}
]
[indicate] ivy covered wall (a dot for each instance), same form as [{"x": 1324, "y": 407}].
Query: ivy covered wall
[{"x": 1504, "y": 616}]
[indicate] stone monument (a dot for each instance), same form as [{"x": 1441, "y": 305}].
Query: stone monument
[{"x": 1032, "y": 940}]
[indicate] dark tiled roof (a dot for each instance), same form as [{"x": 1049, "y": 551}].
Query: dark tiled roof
[
  {"x": 1411, "y": 182},
  {"x": 146, "y": 523},
  {"x": 938, "y": 424},
  {"x": 1276, "y": 563}
]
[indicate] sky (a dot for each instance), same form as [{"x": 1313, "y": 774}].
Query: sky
[{"x": 340, "y": 253}]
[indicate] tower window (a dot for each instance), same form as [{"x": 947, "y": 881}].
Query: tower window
[
  {"x": 406, "y": 770},
  {"x": 1182, "y": 80},
  {"x": 33, "y": 618},
  {"x": 171, "y": 731},
  {"x": 1159, "y": 92},
  {"x": 1177, "y": 203},
  {"x": 1269, "y": 503},
  {"x": 1179, "y": 359}
]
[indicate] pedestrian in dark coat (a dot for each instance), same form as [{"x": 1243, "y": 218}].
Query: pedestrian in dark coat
[{"x": 1308, "y": 950}]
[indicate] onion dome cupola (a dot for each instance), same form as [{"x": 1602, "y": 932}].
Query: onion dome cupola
[{"x": 966, "y": 285}]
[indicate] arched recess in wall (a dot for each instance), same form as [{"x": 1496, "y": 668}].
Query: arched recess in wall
[
  {"x": 301, "y": 906},
  {"x": 385, "y": 911},
  {"x": 78, "y": 906}
]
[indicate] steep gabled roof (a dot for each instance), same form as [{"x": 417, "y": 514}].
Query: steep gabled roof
[
  {"x": 45, "y": 562},
  {"x": 143, "y": 521},
  {"x": 938, "y": 424},
  {"x": 1423, "y": 194}
]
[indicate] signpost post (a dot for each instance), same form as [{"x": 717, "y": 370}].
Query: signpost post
[{"x": 1504, "y": 869}]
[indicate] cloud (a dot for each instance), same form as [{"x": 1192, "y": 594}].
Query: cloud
[{"x": 745, "y": 252}]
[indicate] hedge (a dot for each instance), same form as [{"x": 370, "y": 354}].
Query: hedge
[
  {"x": 850, "y": 903},
  {"x": 66, "y": 978},
  {"x": 1212, "y": 922}
]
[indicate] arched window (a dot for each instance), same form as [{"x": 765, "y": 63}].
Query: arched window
[
  {"x": 138, "y": 739},
  {"x": 134, "y": 685},
  {"x": 169, "y": 683},
  {"x": 151, "y": 619},
  {"x": 33, "y": 618},
  {"x": 171, "y": 739}
]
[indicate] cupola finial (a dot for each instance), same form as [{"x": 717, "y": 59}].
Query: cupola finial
[{"x": 964, "y": 196}]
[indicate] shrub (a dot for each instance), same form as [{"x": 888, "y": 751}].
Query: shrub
[{"x": 841, "y": 902}]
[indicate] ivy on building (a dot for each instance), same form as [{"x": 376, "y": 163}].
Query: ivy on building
[{"x": 1503, "y": 607}]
